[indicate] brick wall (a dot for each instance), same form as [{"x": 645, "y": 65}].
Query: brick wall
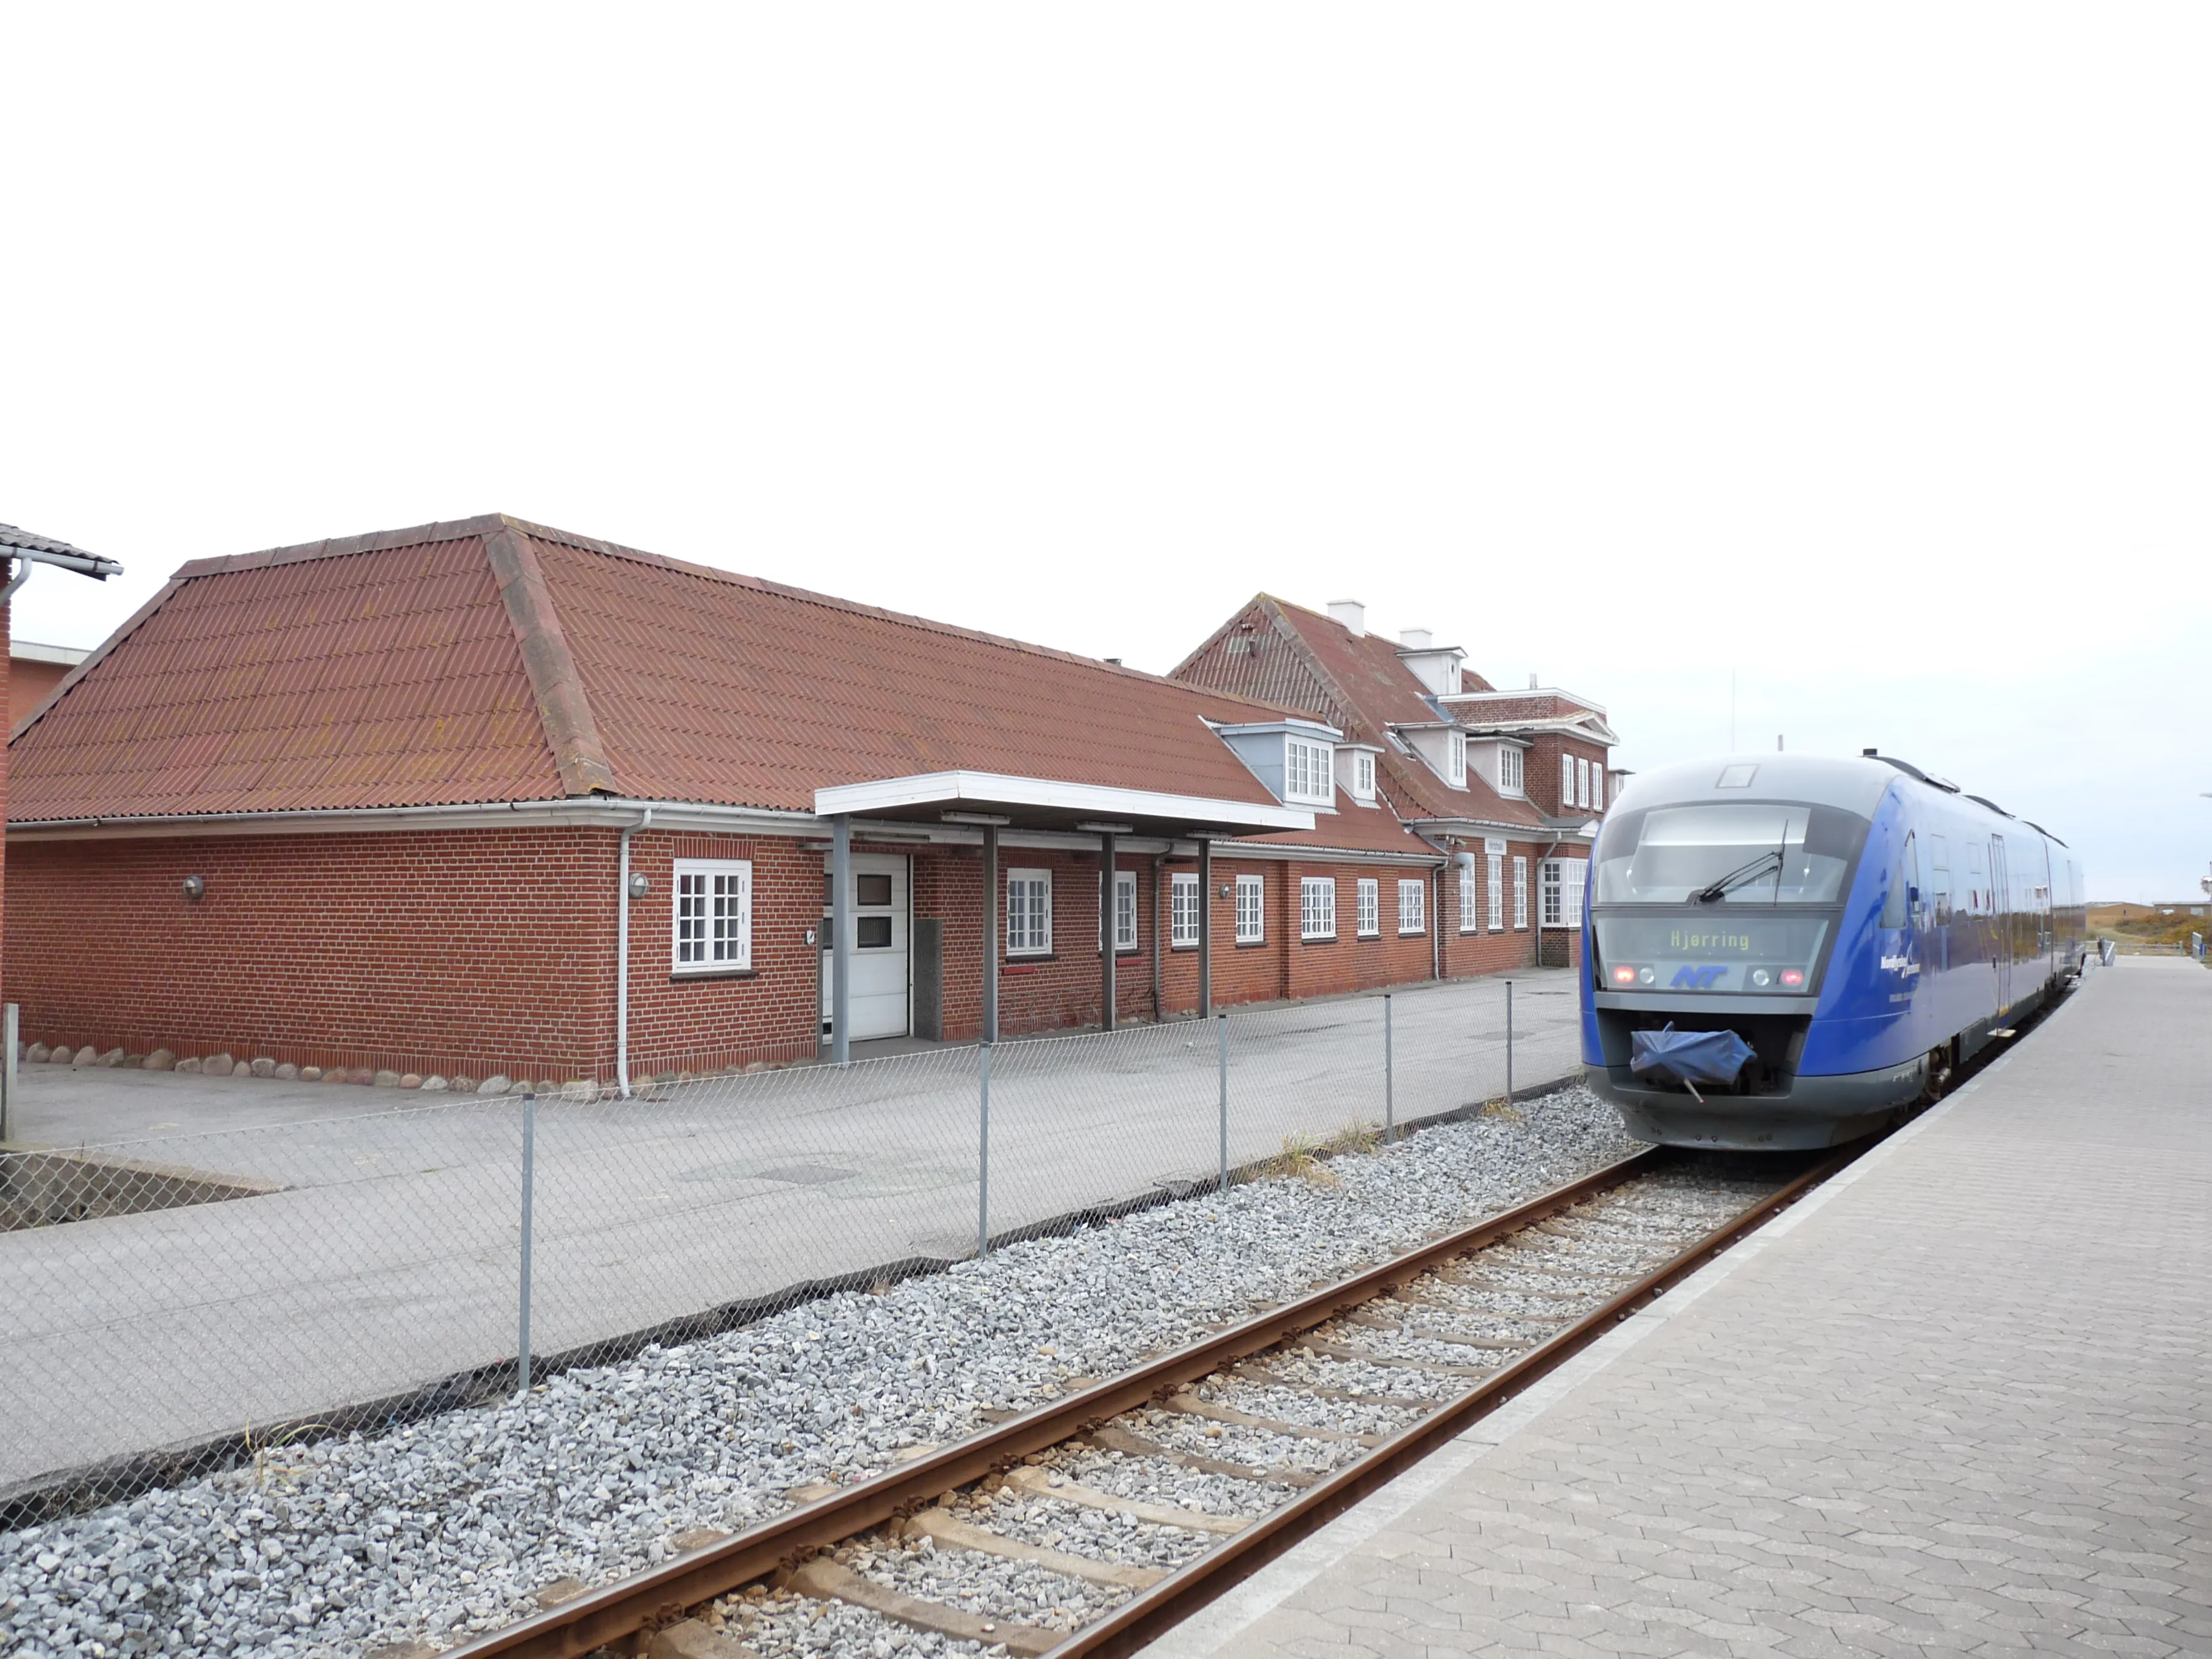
[
  {"x": 1542, "y": 777},
  {"x": 459, "y": 950},
  {"x": 480, "y": 950}
]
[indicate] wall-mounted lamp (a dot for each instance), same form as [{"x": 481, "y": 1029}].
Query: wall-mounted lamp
[
  {"x": 1225, "y": 890},
  {"x": 195, "y": 886},
  {"x": 640, "y": 886}
]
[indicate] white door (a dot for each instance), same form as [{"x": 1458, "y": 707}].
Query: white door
[{"x": 878, "y": 961}]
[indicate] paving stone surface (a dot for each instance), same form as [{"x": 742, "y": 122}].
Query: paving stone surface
[{"x": 1962, "y": 1403}]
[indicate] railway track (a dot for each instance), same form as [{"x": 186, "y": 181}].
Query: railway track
[{"x": 1092, "y": 1523}]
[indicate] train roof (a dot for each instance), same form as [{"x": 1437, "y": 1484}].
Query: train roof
[{"x": 1856, "y": 785}]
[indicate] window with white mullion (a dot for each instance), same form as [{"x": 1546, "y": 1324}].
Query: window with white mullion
[
  {"x": 1125, "y": 911},
  {"x": 1371, "y": 907},
  {"x": 1029, "y": 913},
  {"x": 1307, "y": 772},
  {"x": 1520, "y": 894},
  {"x": 1316, "y": 907},
  {"x": 1566, "y": 782},
  {"x": 1412, "y": 906},
  {"x": 1466, "y": 898},
  {"x": 1510, "y": 770},
  {"x": 1251, "y": 909},
  {"x": 713, "y": 919},
  {"x": 1493, "y": 876},
  {"x": 1577, "y": 873},
  {"x": 1552, "y": 903},
  {"x": 1183, "y": 907}
]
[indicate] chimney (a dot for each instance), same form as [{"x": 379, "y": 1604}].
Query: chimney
[
  {"x": 1532, "y": 682},
  {"x": 1416, "y": 638},
  {"x": 1351, "y": 614}
]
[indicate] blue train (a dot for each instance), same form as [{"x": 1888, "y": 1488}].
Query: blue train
[{"x": 1788, "y": 951}]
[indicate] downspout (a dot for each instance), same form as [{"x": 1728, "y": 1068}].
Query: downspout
[
  {"x": 622, "y": 959},
  {"x": 1159, "y": 863},
  {"x": 1436, "y": 891},
  {"x": 22, "y": 574}
]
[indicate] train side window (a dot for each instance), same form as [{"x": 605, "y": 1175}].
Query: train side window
[
  {"x": 1939, "y": 878},
  {"x": 1894, "y": 902}
]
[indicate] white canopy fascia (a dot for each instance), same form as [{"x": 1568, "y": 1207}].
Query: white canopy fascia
[{"x": 984, "y": 791}]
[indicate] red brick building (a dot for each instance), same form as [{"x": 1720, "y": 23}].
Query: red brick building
[
  {"x": 34, "y": 671},
  {"x": 484, "y": 798},
  {"x": 1509, "y": 784}
]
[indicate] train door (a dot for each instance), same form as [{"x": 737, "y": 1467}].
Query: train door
[{"x": 2000, "y": 922}]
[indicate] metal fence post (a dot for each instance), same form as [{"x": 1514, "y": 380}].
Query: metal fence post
[
  {"x": 1508, "y": 1042},
  {"x": 983, "y": 1165},
  {"x": 1221, "y": 1022},
  {"x": 529, "y": 1182},
  {"x": 1389, "y": 1080},
  {"x": 10, "y": 1032}
]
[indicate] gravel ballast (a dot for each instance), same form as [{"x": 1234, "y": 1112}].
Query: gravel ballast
[{"x": 446, "y": 1528}]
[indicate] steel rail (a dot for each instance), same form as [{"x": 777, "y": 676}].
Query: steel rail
[
  {"x": 660, "y": 1596},
  {"x": 1150, "y": 1615}
]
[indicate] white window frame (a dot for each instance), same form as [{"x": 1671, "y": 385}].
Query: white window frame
[
  {"x": 1363, "y": 775},
  {"x": 1125, "y": 939},
  {"x": 1512, "y": 771},
  {"x": 1309, "y": 771},
  {"x": 1551, "y": 894},
  {"x": 1370, "y": 907},
  {"x": 1494, "y": 878},
  {"x": 1520, "y": 894},
  {"x": 717, "y": 912},
  {"x": 1566, "y": 782},
  {"x": 1183, "y": 900},
  {"x": 1251, "y": 909},
  {"x": 1582, "y": 780},
  {"x": 1412, "y": 906},
  {"x": 1456, "y": 759},
  {"x": 1466, "y": 898},
  {"x": 1316, "y": 907},
  {"x": 1577, "y": 874},
  {"x": 1597, "y": 786},
  {"x": 1034, "y": 938}
]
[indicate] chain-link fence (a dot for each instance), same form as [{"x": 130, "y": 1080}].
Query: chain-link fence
[{"x": 174, "y": 1303}]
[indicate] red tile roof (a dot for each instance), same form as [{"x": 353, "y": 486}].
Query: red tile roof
[
  {"x": 495, "y": 660},
  {"x": 1352, "y": 829},
  {"x": 1360, "y": 686}
]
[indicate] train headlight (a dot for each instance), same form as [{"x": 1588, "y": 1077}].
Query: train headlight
[
  {"x": 1645, "y": 976},
  {"x": 1624, "y": 975},
  {"x": 1761, "y": 978},
  {"x": 1792, "y": 978}
]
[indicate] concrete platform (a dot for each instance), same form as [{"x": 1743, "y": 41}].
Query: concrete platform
[{"x": 1959, "y": 1401}]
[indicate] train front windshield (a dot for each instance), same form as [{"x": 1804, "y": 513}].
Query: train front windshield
[
  {"x": 1711, "y": 898},
  {"x": 1736, "y": 856}
]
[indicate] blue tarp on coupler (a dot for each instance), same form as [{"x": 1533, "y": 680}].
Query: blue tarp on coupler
[{"x": 1688, "y": 1057}]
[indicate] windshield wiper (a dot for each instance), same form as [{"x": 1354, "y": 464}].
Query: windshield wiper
[{"x": 1739, "y": 876}]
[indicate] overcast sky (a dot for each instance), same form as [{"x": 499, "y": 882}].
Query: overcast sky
[{"x": 1859, "y": 354}]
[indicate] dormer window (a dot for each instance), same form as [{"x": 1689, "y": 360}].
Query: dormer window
[
  {"x": 1455, "y": 767},
  {"x": 1295, "y": 758},
  {"x": 1307, "y": 771},
  {"x": 1509, "y": 770},
  {"x": 1355, "y": 772}
]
